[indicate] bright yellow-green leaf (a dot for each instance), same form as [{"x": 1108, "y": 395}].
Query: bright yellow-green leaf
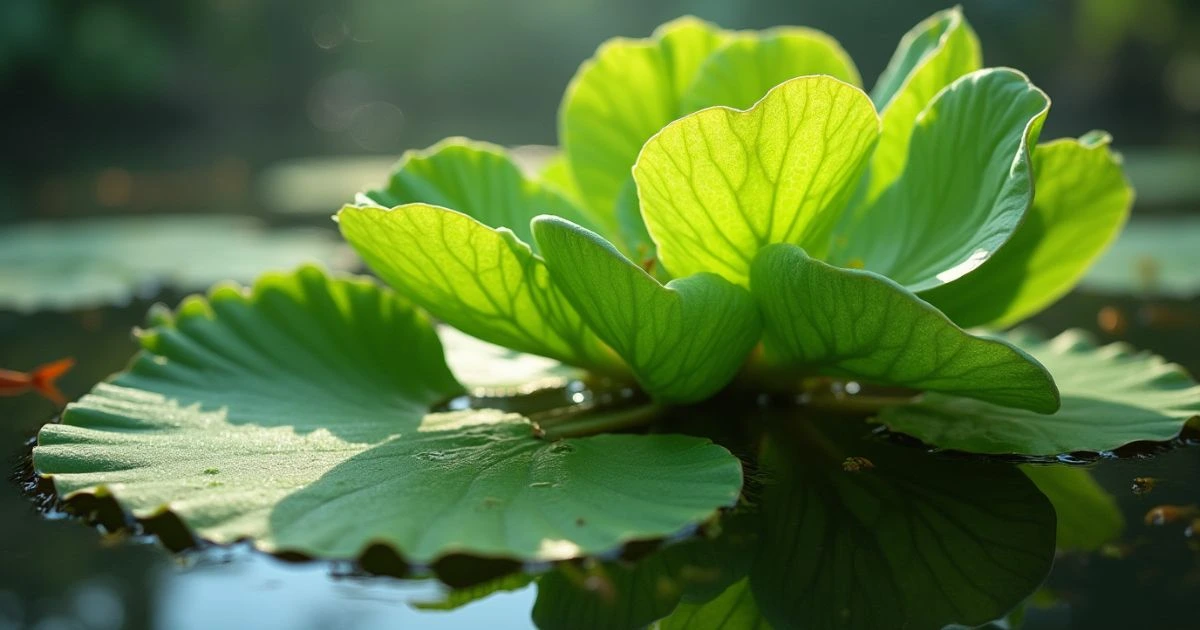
[
  {"x": 1081, "y": 200},
  {"x": 477, "y": 179},
  {"x": 483, "y": 281},
  {"x": 853, "y": 323},
  {"x": 966, "y": 189},
  {"x": 620, "y": 97},
  {"x": 718, "y": 185},
  {"x": 684, "y": 341},
  {"x": 557, "y": 174},
  {"x": 750, "y": 64}
]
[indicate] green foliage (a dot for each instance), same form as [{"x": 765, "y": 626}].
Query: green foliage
[
  {"x": 684, "y": 341},
  {"x": 286, "y": 413},
  {"x": 739, "y": 73},
  {"x": 927, "y": 185},
  {"x": 1111, "y": 395},
  {"x": 687, "y": 246},
  {"x": 483, "y": 281},
  {"x": 717, "y": 186},
  {"x": 931, "y": 56},
  {"x": 621, "y": 97},
  {"x": 476, "y": 179},
  {"x": 1081, "y": 203},
  {"x": 858, "y": 323},
  {"x": 967, "y": 190}
]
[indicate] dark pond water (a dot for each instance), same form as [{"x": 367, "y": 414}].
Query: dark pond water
[{"x": 906, "y": 535}]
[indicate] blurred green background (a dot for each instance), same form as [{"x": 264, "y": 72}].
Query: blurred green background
[{"x": 124, "y": 106}]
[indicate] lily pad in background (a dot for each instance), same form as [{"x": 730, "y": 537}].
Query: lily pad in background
[
  {"x": 1152, "y": 256},
  {"x": 99, "y": 262},
  {"x": 295, "y": 414},
  {"x": 1111, "y": 396}
]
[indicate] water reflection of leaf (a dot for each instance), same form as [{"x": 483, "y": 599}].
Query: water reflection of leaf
[
  {"x": 917, "y": 542},
  {"x": 735, "y": 609},
  {"x": 1088, "y": 517}
]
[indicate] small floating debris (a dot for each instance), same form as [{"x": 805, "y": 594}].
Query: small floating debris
[
  {"x": 1143, "y": 485},
  {"x": 857, "y": 464}
]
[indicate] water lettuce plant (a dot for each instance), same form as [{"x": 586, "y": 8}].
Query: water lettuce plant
[{"x": 731, "y": 213}]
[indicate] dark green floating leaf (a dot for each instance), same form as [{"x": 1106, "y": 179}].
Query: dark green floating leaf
[
  {"x": 295, "y": 414},
  {"x": 1111, "y": 396}
]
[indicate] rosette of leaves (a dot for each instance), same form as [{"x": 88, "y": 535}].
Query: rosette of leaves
[
  {"x": 679, "y": 244},
  {"x": 732, "y": 208}
]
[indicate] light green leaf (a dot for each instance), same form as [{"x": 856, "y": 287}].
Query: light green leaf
[
  {"x": 632, "y": 230},
  {"x": 1088, "y": 516},
  {"x": 748, "y": 65},
  {"x": 483, "y": 281},
  {"x": 931, "y": 56},
  {"x": 1153, "y": 256},
  {"x": 89, "y": 263},
  {"x": 859, "y": 324},
  {"x": 1111, "y": 396},
  {"x": 914, "y": 542},
  {"x": 968, "y": 187},
  {"x": 477, "y": 179},
  {"x": 718, "y": 185},
  {"x": 1081, "y": 201},
  {"x": 296, "y": 415},
  {"x": 620, "y": 97},
  {"x": 684, "y": 341},
  {"x": 734, "y": 609},
  {"x": 556, "y": 174}
]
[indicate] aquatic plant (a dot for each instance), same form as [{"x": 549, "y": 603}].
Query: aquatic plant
[{"x": 731, "y": 217}]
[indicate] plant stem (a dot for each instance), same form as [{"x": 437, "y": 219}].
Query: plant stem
[{"x": 593, "y": 423}]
